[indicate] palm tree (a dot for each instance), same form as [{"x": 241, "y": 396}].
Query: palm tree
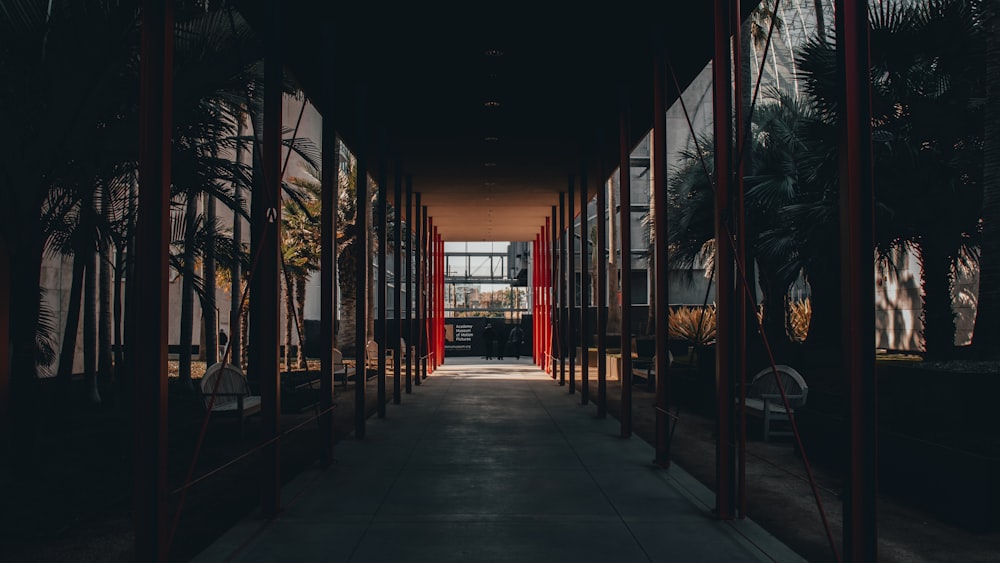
[
  {"x": 300, "y": 252},
  {"x": 926, "y": 77},
  {"x": 987, "y": 331},
  {"x": 347, "y": 260}
]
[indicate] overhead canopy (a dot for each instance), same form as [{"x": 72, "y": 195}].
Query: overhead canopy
[{"x": 489, "y": 107}]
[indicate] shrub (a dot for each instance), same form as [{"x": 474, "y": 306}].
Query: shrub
[
  {"x": 694, "y": 324},
  {"x": 799, "y": 315}
]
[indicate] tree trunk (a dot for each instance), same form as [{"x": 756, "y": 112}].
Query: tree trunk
[
  {"x": 820, "y": 19},
  {"x": 614, "y": 286},
  {"x": 126, "y": 375},
  {"x": 105, "y": 363},
  {"x": 300, "y": 309},
  {"x": 987, "y": 328},
  {"x": 289, "y": 318},
  {"x": 235, "y": 334},
  {"x": 25, "y": 396},
  {"x": 373, "y": 251},
  {"x": 244, "y": 331},
  {"x": 208, "y": 311},
  {"x": 346, "y": 268},
  {"x": 119, "y": 273},
  {"x": 90, "y": 313},
  {"x": 187, "y": 293},
  {"x": 938, "y": 316},
  {"x": 67, "y": 354}
]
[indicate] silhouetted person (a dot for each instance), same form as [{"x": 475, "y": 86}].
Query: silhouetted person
[
  {"x": 514, "y": 341},
  {"x": 223, "y": 340},
  {"x": 489, "y": 338}
]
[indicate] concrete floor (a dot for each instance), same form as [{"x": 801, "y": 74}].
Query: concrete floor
[{"x": 492, "y": 461}]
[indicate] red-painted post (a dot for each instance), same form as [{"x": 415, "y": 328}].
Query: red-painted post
[
  {"x": 418, "y": 316},
  {"x": 741, "y": 315},
  {"x": 363, "y": 200},
  {"x": 602, "y": 297},
  {"x": 397, "y": 286},
  {"x": 857, "y": 271},
  {"x": 571, "y": 319},
  {"x": 410, "y": 287},
  {"x": 662, "y": 270},
  {"x": 563, "y": 293},
  {"x": 625, "y": 234},
  {"x": 722, "y": 117},
  {"x": 584, "y": 292},
  {"x": 381, "y": 288},
  {"x": 328, "y": 256},
  {"x": 152, "y": 251}
]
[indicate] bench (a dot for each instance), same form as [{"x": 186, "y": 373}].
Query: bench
[
  {"x": 226, "y": 392},
  {"x": 341, "y": 370},
  {"x": 764, "y": 397},
  {"x": 645, "y": 369}
]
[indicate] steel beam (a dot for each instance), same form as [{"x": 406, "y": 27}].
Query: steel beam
[
  {"x": 602, "y": 296},
  {"x": 625, "y": 236},
  {"x": 329, "y": 186},
  {"x": 410, "y": 287},
  {"x": 418, "y": 273},
  {"x": 361, "y": 272},
  {"x": 857, "y": 271},
  {"x": 554, "y": 308},
  {"x": 571, "y": 318},
  {"x": 397, "y": 287},
  {"x": 741, "y": 314},
  {"x": 584, "y": 292},
  {"x": 660, "y": 234},
  {"x": 722, "y": 105},
  {"x": 381, "y": 289},
  {"x": 152, "y": 251}
]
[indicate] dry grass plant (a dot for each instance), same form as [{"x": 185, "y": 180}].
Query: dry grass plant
[
  {"x": 694, "y": 324},
  {"x": 799, "y": 316}
]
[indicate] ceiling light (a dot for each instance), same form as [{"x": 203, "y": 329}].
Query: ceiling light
[
  {"x": 494, "y": 53},
  {"x": 492, "y": 104}
]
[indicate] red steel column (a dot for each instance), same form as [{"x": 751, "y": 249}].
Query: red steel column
[
  {"x": 265, "y": 214},
  {"x": 440, "y": 294},
  {"x": 625, "y": 233},
  {"x": 381, "y": 288},
  {"x": 722, "y": 112},
  {"x": 584, "y": 292},
  {"x": 4, "y": 346},
  {"x": 421, "y": 281},
  {"x": 561, "y": 340},
  {"x": 660, "y": 229},
  {"x": 410, "y": 288},
  {"x": 152, "y": 251},
  {"x": 361, "y": 272},
  {"x": 602, "y": 297},
  {"x": 534, "y": 300},
  {"x": 856, "y": 244},
  {"x": 431, "y": 278},
  {"x": 571, "y": 319},
  {"x": 555, "y": 282},
  {"x": 328, "y": 254},
  {"x": 397, "y": 287}
]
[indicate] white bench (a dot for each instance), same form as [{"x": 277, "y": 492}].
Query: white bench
[
  {"x": 226, "y": 392},
  {"x": 764, "y": 397}
]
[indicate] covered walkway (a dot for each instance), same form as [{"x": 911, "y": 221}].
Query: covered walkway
[{"x": 492, "y": 461}]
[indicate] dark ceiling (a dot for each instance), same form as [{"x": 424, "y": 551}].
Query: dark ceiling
[{"x": 489, "y": 107}]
